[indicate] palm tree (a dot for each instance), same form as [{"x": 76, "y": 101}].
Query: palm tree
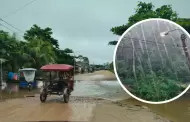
[
  {"x": 13, "y": 50},
  {"x": 36, "y": 32},
  {"x": 42, "y": 52}
]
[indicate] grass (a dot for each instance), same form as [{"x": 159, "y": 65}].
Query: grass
[{"x": 154, "y": 88}]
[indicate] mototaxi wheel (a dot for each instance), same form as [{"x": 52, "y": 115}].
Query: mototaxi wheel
[
  {"x": 30, "y": 87},
  {"x": 43, "y": 96},
  {"x": 66, "y": 94}
]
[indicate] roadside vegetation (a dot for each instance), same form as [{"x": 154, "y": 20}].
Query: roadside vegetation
[
  {"x": 161, "y": 82},
  {"x": 37, "y": 48}
]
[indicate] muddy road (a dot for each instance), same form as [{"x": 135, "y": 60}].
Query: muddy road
[
  {"x": 79, "y": 109},
  {"x": 91, "y": 101}
]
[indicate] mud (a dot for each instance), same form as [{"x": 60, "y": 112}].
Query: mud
[
  {"x": 80, "y": 108},
  {"x": 96, "y": 76},
  {"x": 113, "y": 112}
]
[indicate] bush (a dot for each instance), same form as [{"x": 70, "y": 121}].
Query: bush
[
  {"x": 155, "y": 88},
  {"x": 158, "y": 85}
]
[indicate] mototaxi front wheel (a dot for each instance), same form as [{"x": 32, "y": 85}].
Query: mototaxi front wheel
[
  {"x": 30, "y": 87},
  {"x": 43, "y": 96},
  {"x": 66, "y": 95}
]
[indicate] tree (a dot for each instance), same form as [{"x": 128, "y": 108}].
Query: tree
[
  {"x": 80, "y": 57},
  {"x": 112, "y": 42},
  {"x": 36, "y": 32},
  {"x": 42, "y": 52},
  {"x": 14, "y": 51},
  {"x": 4, "y": 43},
  {"x": 86, "y": 60},
  {"x": 40, "y": 48},
  {"x": 111, "y": 67},
  {"x": 67, "y": 50},
  {"x": 64, "y": 57},
  {"x": 147, "y": 10},
  {"x": 154, "y": 80}
]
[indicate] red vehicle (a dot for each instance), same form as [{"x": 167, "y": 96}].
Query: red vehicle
[{"x": 60, "y": 81}]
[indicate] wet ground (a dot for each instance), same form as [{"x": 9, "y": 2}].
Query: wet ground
[
  {"x": 79, "y": 109},
  {"x": 177, "y": 111},
  {"x": 109, "y": 90},
  {"x": 83, "y": 106},
  {"x": 96, "y": 76},
  {"x": 30, "y": 109}
]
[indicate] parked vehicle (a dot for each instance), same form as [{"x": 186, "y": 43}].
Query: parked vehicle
[{"x": 26, "y": 77}]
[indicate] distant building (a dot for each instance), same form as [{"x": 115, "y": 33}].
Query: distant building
[
  {"x": 77, "y": 68},
  {"x": 80, "y": 67}
]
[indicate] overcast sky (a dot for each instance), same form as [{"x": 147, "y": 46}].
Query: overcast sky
[{"x": 82, "y": 25}]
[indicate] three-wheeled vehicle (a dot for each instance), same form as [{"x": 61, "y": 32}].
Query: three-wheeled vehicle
[
  {"x": 28, "y": 74},
  {"x": 60, "y": 81}
]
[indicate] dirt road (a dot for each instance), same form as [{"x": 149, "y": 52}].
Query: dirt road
[
  {"x": 84, "y": 108},
  {"x": 96, "y": 76},
  {"x": 79, "y": 109}
]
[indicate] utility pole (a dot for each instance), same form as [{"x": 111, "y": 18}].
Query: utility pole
[
  {"x": 185, "y": 48},
  {"x": 1, "y": 75},
  {"x": 1, "y": 61},
  {"x": 74, "y": 62},
  {"x": 1, "y": 80}
]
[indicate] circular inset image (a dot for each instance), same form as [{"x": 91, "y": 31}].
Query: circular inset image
[{"x": 152, "y": 61}]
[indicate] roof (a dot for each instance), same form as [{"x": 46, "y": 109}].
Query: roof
[
  {"x": 57, "y": 67},
  {"x": 27, "y": 69}
]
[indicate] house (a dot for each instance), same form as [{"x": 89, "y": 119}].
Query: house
[
  {"x": 77, "y": 68},
  {"x": 81, "y": 67}
]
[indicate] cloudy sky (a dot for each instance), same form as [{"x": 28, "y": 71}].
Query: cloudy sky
[{"x": 82, "y": 25}]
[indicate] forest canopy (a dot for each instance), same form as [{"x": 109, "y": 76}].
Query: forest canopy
[{"x": 38, "y": 48}]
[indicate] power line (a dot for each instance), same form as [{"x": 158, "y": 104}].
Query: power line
[
  {"x": 6, "y": 27},
  {"x": 12, "y": 14},
  {"x": 19, "y": 9},
  {"x": 11, "y": 25}
]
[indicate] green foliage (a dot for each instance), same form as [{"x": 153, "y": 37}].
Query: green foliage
[
  {"x": 158, "y": 84},
  {"x": 39, "y": 49},
  {"x": 111, "y": 68},
  {"x": 67, "y": 50},
  {"x": 185, "y": 23},
  {"x": 147, "y": 10},
  {"x": 112, "y": 43},
  {"x": 36, "y": 32},
  {"x": 42, "y": 52},
  {"x": 155, "y": 88},
  {"x": 86, "y": 60},
  {"x": 63, "y": 57}
]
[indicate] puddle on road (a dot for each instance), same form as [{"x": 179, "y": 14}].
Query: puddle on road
[
  {"x": 177, "y": 111},
  {"x": 20, "y": 94},
  {"x": 102, "y": 89}
]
